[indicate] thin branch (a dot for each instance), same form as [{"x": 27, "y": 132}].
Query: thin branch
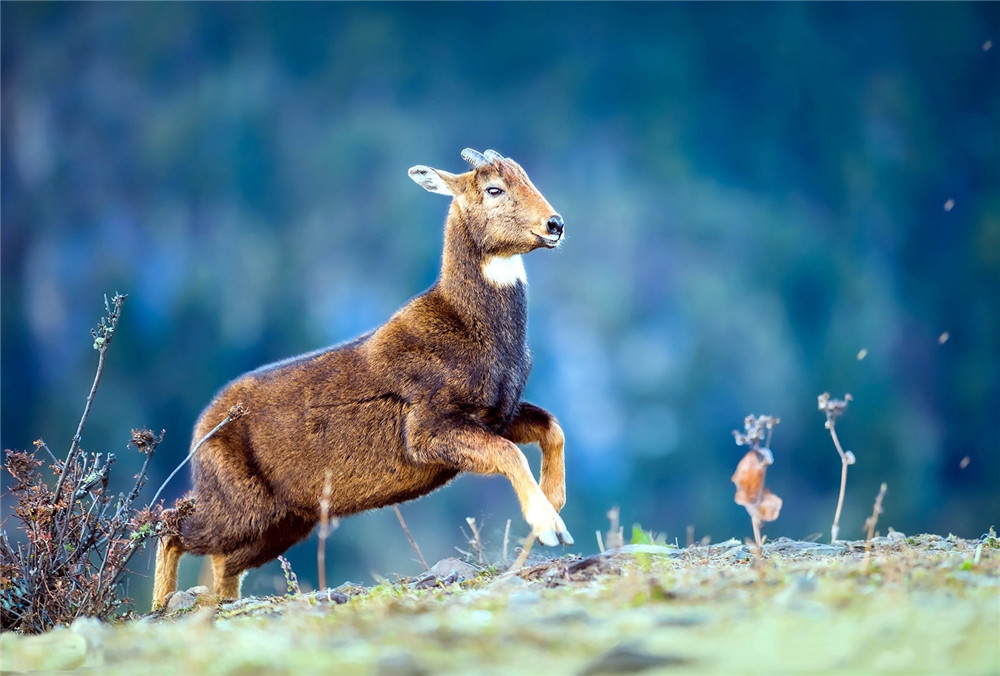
[
  {"x": 834, "y": 408},
  {"x": 523, "y": 556},
  {"x": 413, "y": 543},
  {"x": 103, "y": 334},
  {"x": 506, "y": 540},
  {"x": 872, "y": 521},
  {"x": 41, "y": 444},
  {"x": 845, "y": 460},
  {"x": 235, "y": 412},
  {"x": 476, "y": 542},
  {"x": 75, "y": 445},
  {"x": 326, "y": 526},
  {"x": 146, "y": 442}
]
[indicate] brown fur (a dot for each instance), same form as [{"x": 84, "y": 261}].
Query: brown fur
[{"x": 395, "y": 413}]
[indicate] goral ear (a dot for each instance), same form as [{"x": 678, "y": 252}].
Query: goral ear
[{"x": 434, "y": 180}]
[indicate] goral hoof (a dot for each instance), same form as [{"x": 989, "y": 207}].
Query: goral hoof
[{"x": 550, "y": 538}]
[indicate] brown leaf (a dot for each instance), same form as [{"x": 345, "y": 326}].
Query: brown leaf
[
  {"x": 749, "y": 478},
  {"x": 769, "y": 506}
]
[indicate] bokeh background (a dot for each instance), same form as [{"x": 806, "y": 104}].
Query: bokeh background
[{"x": 763, "y": 203}]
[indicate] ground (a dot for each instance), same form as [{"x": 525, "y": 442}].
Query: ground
[{"x": 916, "y": 605}]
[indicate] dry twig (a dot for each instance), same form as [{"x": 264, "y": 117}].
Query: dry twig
[
  {"x": 475, "y": 540},
  {"x": 506, "y": 540},
  {"x": 834, "y": 408},
  {"x": 326, "y": 526},
  {"x": 237, "y": 411},
  {"x": 872, "y": 521},
  {"x": 413, "y": 543}
]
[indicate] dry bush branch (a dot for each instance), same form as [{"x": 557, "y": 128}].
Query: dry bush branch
[
  {"x": 234, "y": 413},
  {"x": 79, "y": 537}
]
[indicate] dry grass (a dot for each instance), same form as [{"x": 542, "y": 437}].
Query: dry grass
[{"x": 927, "y": 604}]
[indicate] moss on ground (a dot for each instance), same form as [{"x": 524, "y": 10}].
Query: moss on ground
[{"x": 924, "y": 604}]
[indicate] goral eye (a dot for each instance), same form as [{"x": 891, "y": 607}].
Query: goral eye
[{"x": 494, "y": 191}]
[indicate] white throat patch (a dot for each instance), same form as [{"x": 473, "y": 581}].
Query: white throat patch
[{"x": 505, "y": 270}]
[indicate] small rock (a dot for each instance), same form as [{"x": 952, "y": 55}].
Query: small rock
[
  {"x": 508, "y": 582},
  {"x": 331, "y": 596},
  {"x": 675, "y": 620},
  {"x": 399, "y": 664},
  {"x": 626, "y": 659},
  {"x": 180, "y": 600},
  {"x": 524, "y": 598},
  {"x": 446, "y": 572},
  {"x": 740, "y": 553},
  {"x": 446, "y": 567}
]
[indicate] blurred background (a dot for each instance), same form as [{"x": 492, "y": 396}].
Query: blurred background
[{"x": 763, "y": 203}]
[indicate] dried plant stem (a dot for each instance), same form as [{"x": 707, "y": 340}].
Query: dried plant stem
[
  {"x": 756, "y": 532},
  {"x": 476, "y": 542},
  {"x": 326, "y": 526},
  {"x": 835, "y": 529},
  {"x": 525, "y": 551},
  {"x": 75, "y": 445},
  {"x": 102, "y": 341},
  {"x": 833, "y": 409},
  {"x": 872, "y": 521},
  {"x": 235, "y": 412},
  {"x": 413, "y": 543},
  {"x": 506, "y": 540}
]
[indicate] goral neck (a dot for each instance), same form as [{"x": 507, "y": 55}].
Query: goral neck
[{"x": 490, "y": 290}]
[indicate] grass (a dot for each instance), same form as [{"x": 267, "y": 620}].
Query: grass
[{"x": 924, "y": 604}]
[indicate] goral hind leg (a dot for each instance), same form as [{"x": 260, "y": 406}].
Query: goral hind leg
[
  {"x": 168, "y": 558},
  {"x": 227, "y": 583}
]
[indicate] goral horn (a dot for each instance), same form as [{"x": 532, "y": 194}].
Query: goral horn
[{"x": 475, "y": 158}]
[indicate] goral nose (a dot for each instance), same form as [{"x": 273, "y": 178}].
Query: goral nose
[{"x": 555, "y": 225}]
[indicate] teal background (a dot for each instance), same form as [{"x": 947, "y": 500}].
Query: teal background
[{"x": 753, "y": 193}]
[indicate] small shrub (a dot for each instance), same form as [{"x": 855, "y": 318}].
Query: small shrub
[{"x": 79, "y": 537}]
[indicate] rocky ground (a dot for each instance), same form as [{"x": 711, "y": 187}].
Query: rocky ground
[{"x": 916, "y": 605}]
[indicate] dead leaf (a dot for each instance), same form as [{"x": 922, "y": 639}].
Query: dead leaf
[
  {"x": 749, "y": 478},
  {"x": 760, "y": 503},
  {"x": 769, "y": 506}
]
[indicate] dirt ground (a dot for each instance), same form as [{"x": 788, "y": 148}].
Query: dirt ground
[{"x": 915, "y": 605}]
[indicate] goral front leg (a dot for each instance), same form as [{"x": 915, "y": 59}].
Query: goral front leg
[
  {"x": 460, "y": 443},
  {"x": 532, "y": 424}
]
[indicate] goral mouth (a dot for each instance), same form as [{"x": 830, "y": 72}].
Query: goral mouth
[{"x": 549, "y": 242}]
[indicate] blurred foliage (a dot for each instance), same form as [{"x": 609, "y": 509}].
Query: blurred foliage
[{"x": 755, "y": 197}]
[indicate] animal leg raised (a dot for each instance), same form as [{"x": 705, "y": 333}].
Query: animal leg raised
[
  {"x": 470, "y": 448},
  {"x": 533, "y": 424}
]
